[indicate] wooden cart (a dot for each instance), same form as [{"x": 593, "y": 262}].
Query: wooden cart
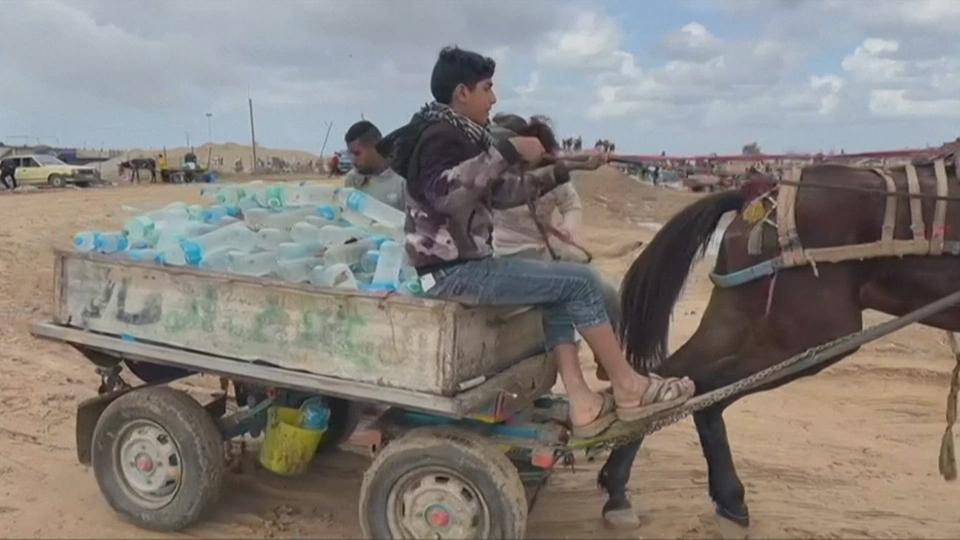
[{"x": 457, "y": 386}]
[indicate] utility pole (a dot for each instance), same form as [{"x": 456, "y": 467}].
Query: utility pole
[
  {"x": 188, "y": 138},
  {"x": 253, "y": 137},
  {"x": 324, "y": 145}
]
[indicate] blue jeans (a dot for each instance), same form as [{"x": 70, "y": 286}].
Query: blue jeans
[{"x": 571, "y": 295}]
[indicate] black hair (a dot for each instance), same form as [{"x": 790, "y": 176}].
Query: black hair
[
  {"x": 538, "y": 126},
  {"x": 513, "y": 122},
  {"x": 456, "y": 66},
  {"x": 365, "y": 131}
]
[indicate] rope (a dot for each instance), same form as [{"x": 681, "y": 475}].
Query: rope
[
  {"x": 625, "y": 433},
  {"x": 948, "y": 458}
]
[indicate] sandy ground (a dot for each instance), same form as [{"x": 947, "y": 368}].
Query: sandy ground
[{"x": 850, "y": 453}]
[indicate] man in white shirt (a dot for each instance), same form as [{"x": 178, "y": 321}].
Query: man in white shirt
[{"x": 370, "y": 172}]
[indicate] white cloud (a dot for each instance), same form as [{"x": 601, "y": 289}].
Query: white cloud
[
  {"x": 871, "y": 61},
  {"x": 531, "y": 86},
  {"x": 898, "y": 103},
  {"x": 590, "y": 42},
  {"x": 822, "y": 95},
  {"x": 693, "y": 41}
]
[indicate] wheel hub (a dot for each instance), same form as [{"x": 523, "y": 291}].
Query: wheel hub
[
  {"x": 149, "y": 463},
  {"x": 438, "y": 516},
  {"x": 144, "y": 463},
  {"x": 438, "y": 504}
]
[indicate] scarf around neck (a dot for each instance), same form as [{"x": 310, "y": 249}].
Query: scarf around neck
[{"x": 437, "y": 111}]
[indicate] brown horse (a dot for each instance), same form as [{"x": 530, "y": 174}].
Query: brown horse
[{"x": 755, "y": 325}]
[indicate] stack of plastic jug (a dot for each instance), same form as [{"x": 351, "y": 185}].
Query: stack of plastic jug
[{"x": 329, "y": 237}]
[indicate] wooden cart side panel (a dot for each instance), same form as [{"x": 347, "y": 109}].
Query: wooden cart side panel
[
  {"x": 59, "y": 288},
  {"x": 492, "y": 339},
  {"x": 356, "y": 337}
]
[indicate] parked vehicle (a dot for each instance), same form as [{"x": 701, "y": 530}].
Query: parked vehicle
[{"x": 46, "y": 169}]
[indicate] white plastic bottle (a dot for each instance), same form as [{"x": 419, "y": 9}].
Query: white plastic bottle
[
  {"x": 110, "y": 242},
  {"x": 218, "y": 260},
  {"x": 299, "y": 250},
  {"x": 297, "y": 270},
  {"x": 387, "y": 274},
  {"x": 338, "y": 276},
  {"x": 349, "y": 254},
  {"x": 251, "y": 264},
  {"x": 85, "y": 241},
  {"x": 368, "y": 261},
  {"x": 370, "y": 207},
  {"x": 304, "y": 233},
  {"x": 308, "y": 193},
  {"x": 230, "y": 196},
  {"x": 236, "y": 236},
  {"x": 269, "y": 238},
  {"x": 143, "y": 255},
  {"x": 268, "y": 195}
]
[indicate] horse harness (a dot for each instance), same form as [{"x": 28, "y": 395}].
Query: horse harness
[{"x": 781, "y": 202}]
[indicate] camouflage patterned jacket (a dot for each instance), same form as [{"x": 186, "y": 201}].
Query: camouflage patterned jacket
[{"x": 453, "y": 185}]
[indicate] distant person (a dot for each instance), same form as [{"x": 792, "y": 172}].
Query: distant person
[
  {"x": 164, "y": 167},
  {"x": 8, "y": 174},
  {"x": 371, "y": 173},
  {"x": 334, "y": 164}
]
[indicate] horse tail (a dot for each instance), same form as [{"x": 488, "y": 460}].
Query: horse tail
[{"x": 655, "y": 279}]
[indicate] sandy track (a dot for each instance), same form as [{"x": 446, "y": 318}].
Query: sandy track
[{"x": 850, "y": 453}]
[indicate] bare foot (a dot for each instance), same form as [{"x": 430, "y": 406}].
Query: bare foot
[{"x": 584, "y": 411}]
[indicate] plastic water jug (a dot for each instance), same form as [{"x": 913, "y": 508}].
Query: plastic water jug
[
  {"x": 314, "y": 414},
  {"x": 217, "y": 260},
  {"x": 236, "y": 236},
  {"x": 387, "y": 274},
  {"x": 297, "y": 270},
  {"x": 349, "y": 254},
  {"x": 370, "y": 207},
  {"x": 304, "y": 232},
  {"x": 299, "y": 250},
  {"x": 338, "y": 276},
  {"x": 143, "y": 255},
  {"x": 269, "y": 239},
  {"x": 368, "y": 262},
  {"x": 251, "y": 264},
  {"x": 110, "y": 242},
  {"x": 313, "y": 194},
  {"x": 85, "y": 241}
]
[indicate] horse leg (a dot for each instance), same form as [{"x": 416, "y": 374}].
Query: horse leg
[
  {"x": 613, "y": 478},
  {"x": 726, "y": 489}
]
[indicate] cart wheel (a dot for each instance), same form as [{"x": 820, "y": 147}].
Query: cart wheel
[
  {"x": 158, "y": 458},
  {"x": 442, "y": 483}
]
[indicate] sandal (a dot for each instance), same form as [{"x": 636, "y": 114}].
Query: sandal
[
  {"x": 661, "y": 395},
  {"x": 605, "y": 418}
]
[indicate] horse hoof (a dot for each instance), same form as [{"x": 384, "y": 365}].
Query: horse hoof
[
  {"x": 618, "y": 513},
  {"x": 731, "y": 530},
  {"x": 622, "y": 519},
  {"x": 740, "y": 517}
]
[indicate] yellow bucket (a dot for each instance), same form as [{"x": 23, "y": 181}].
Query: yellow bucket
[{"x": 288, "y": 448}]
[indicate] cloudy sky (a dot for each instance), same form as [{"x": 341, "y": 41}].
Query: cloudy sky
[{"x": 679, "y": 76}]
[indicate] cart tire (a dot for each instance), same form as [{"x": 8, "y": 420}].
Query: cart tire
[
  {"x": 158, "y": 458},
  {"x": 344, "y": 418},
  {"x": 442, "y": 483}
]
